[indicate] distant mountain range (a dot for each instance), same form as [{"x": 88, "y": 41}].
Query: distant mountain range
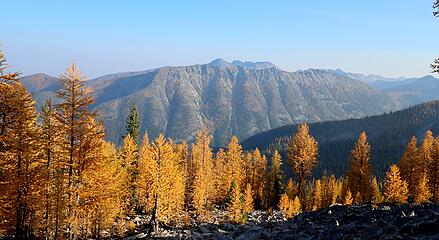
[
  {"x": 388, "y": 135},
  {"x": 237, "y": 98},
  {"x": 412, "y": 90},
  {"x": 370, "y": 78}
]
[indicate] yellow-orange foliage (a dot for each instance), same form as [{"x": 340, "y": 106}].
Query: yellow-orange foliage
[
  {"x": 128, "y": 158},
  {"x": 223, "y": 175},
  {"x": 292, "y": 189},
  {"x": 360, "y": 169},
  {"x": 162, "y": 181},
  {"x": 302, "y": 155},
  {"x": 228, "y": 168},
  {"x": 422, "y": 190},
  {"x": 248, "y": 199},
  {"x": 54, "y": 181},
  {"x": 317, "y": 196},
  {"x": 103, "y": 201},
  {"x": 258, "y": 176},
  {"x": 234, "y": 160},
  {"x": 204, "y": 182},
  {"x": 348, "y": 200},
  {"x": 235, "y": 210},
  {"x": 411, "y": 166},
  {"x": 289, "y": 207},
  {"x": 19, "y": 157},
  {"x": 425, "y": 150},
  {"x": 395, "y": 189},
  {"x": 81, "y": 137},
  {"x": 433, "y": 171}
]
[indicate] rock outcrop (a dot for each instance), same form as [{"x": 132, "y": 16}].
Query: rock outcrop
[{"x": 335, "y": 222}]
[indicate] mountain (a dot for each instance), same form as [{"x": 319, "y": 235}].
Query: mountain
[
  {"x": 370, "y": 78},
  {"x": 219, "y": 62},
  {"x": 388, "y": 135},
  {"x": 411, "y": 91},
  {"x": 228, "y": 99}
]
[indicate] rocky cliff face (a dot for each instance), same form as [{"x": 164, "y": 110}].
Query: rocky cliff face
[{"x": 230, "y": 99}]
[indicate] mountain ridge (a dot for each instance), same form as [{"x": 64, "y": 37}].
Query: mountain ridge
[{"x": 234, "y": 100}]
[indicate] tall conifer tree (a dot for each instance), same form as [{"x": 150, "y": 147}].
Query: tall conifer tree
[
  {"x": 302, "y": 156},
  {"x": 360, "y": 173}
]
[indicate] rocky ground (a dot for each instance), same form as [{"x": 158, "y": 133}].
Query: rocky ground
[{"x": 335, "y": 222}]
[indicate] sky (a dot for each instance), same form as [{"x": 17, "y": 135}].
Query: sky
[{"x": 387, "y": 37}]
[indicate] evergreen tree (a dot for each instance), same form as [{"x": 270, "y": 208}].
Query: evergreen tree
[
  {"x": 133, "y": 123},
  {"x": 395, "y": 189},
  {"x": 275, "y": 179},
  {"x": 360, "y": 169},
  {"x": 302, "y": 155},
  {"x": 377, "y": 197}
]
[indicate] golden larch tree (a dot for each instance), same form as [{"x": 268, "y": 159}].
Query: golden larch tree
[
  {"x": 128, "y": 157},
  {"x": 103, "y": 201},
  {"x": 302, "y": 155},
  {"x": 410, "y": 166},
  {"x": 360, "y": 170},
  {"x": 20, "y": 166},
  {"x": 204, "y": 182},
  {"x": 223, "y": 175},
  {"x": 317, "y": 195},
  {"x": 395, "y": 189},
  {"x": 259, "y": 176},
  {"x": 234, "y": 160},
  {"x": 162, "y": 176},
  {"x": 55, "y": 170},
  {"x": 433, "y": 170},
  {"x": 425, "y": 150},
  {"x": 248, "y": 199},
  {"x": 292, "y": 189},
  {"x": 75, "y": 119},
  {"x": 348, "y": 199},
  {"x": 235, "y": 209},
  {"x": 422, "y": 190}
]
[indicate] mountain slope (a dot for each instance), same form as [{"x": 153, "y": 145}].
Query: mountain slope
[
  {"x": 229, "y": 100},
  {"x": 388, "y": 135},
  {"x": 412, "y": 91},
  {"x": 370, "y": 78}
]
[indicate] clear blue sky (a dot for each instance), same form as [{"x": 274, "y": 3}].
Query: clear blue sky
[{"x": 388, "y": 37}]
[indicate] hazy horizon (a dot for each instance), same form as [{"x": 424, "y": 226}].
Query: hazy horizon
[{"x": 391, "y": 38}]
